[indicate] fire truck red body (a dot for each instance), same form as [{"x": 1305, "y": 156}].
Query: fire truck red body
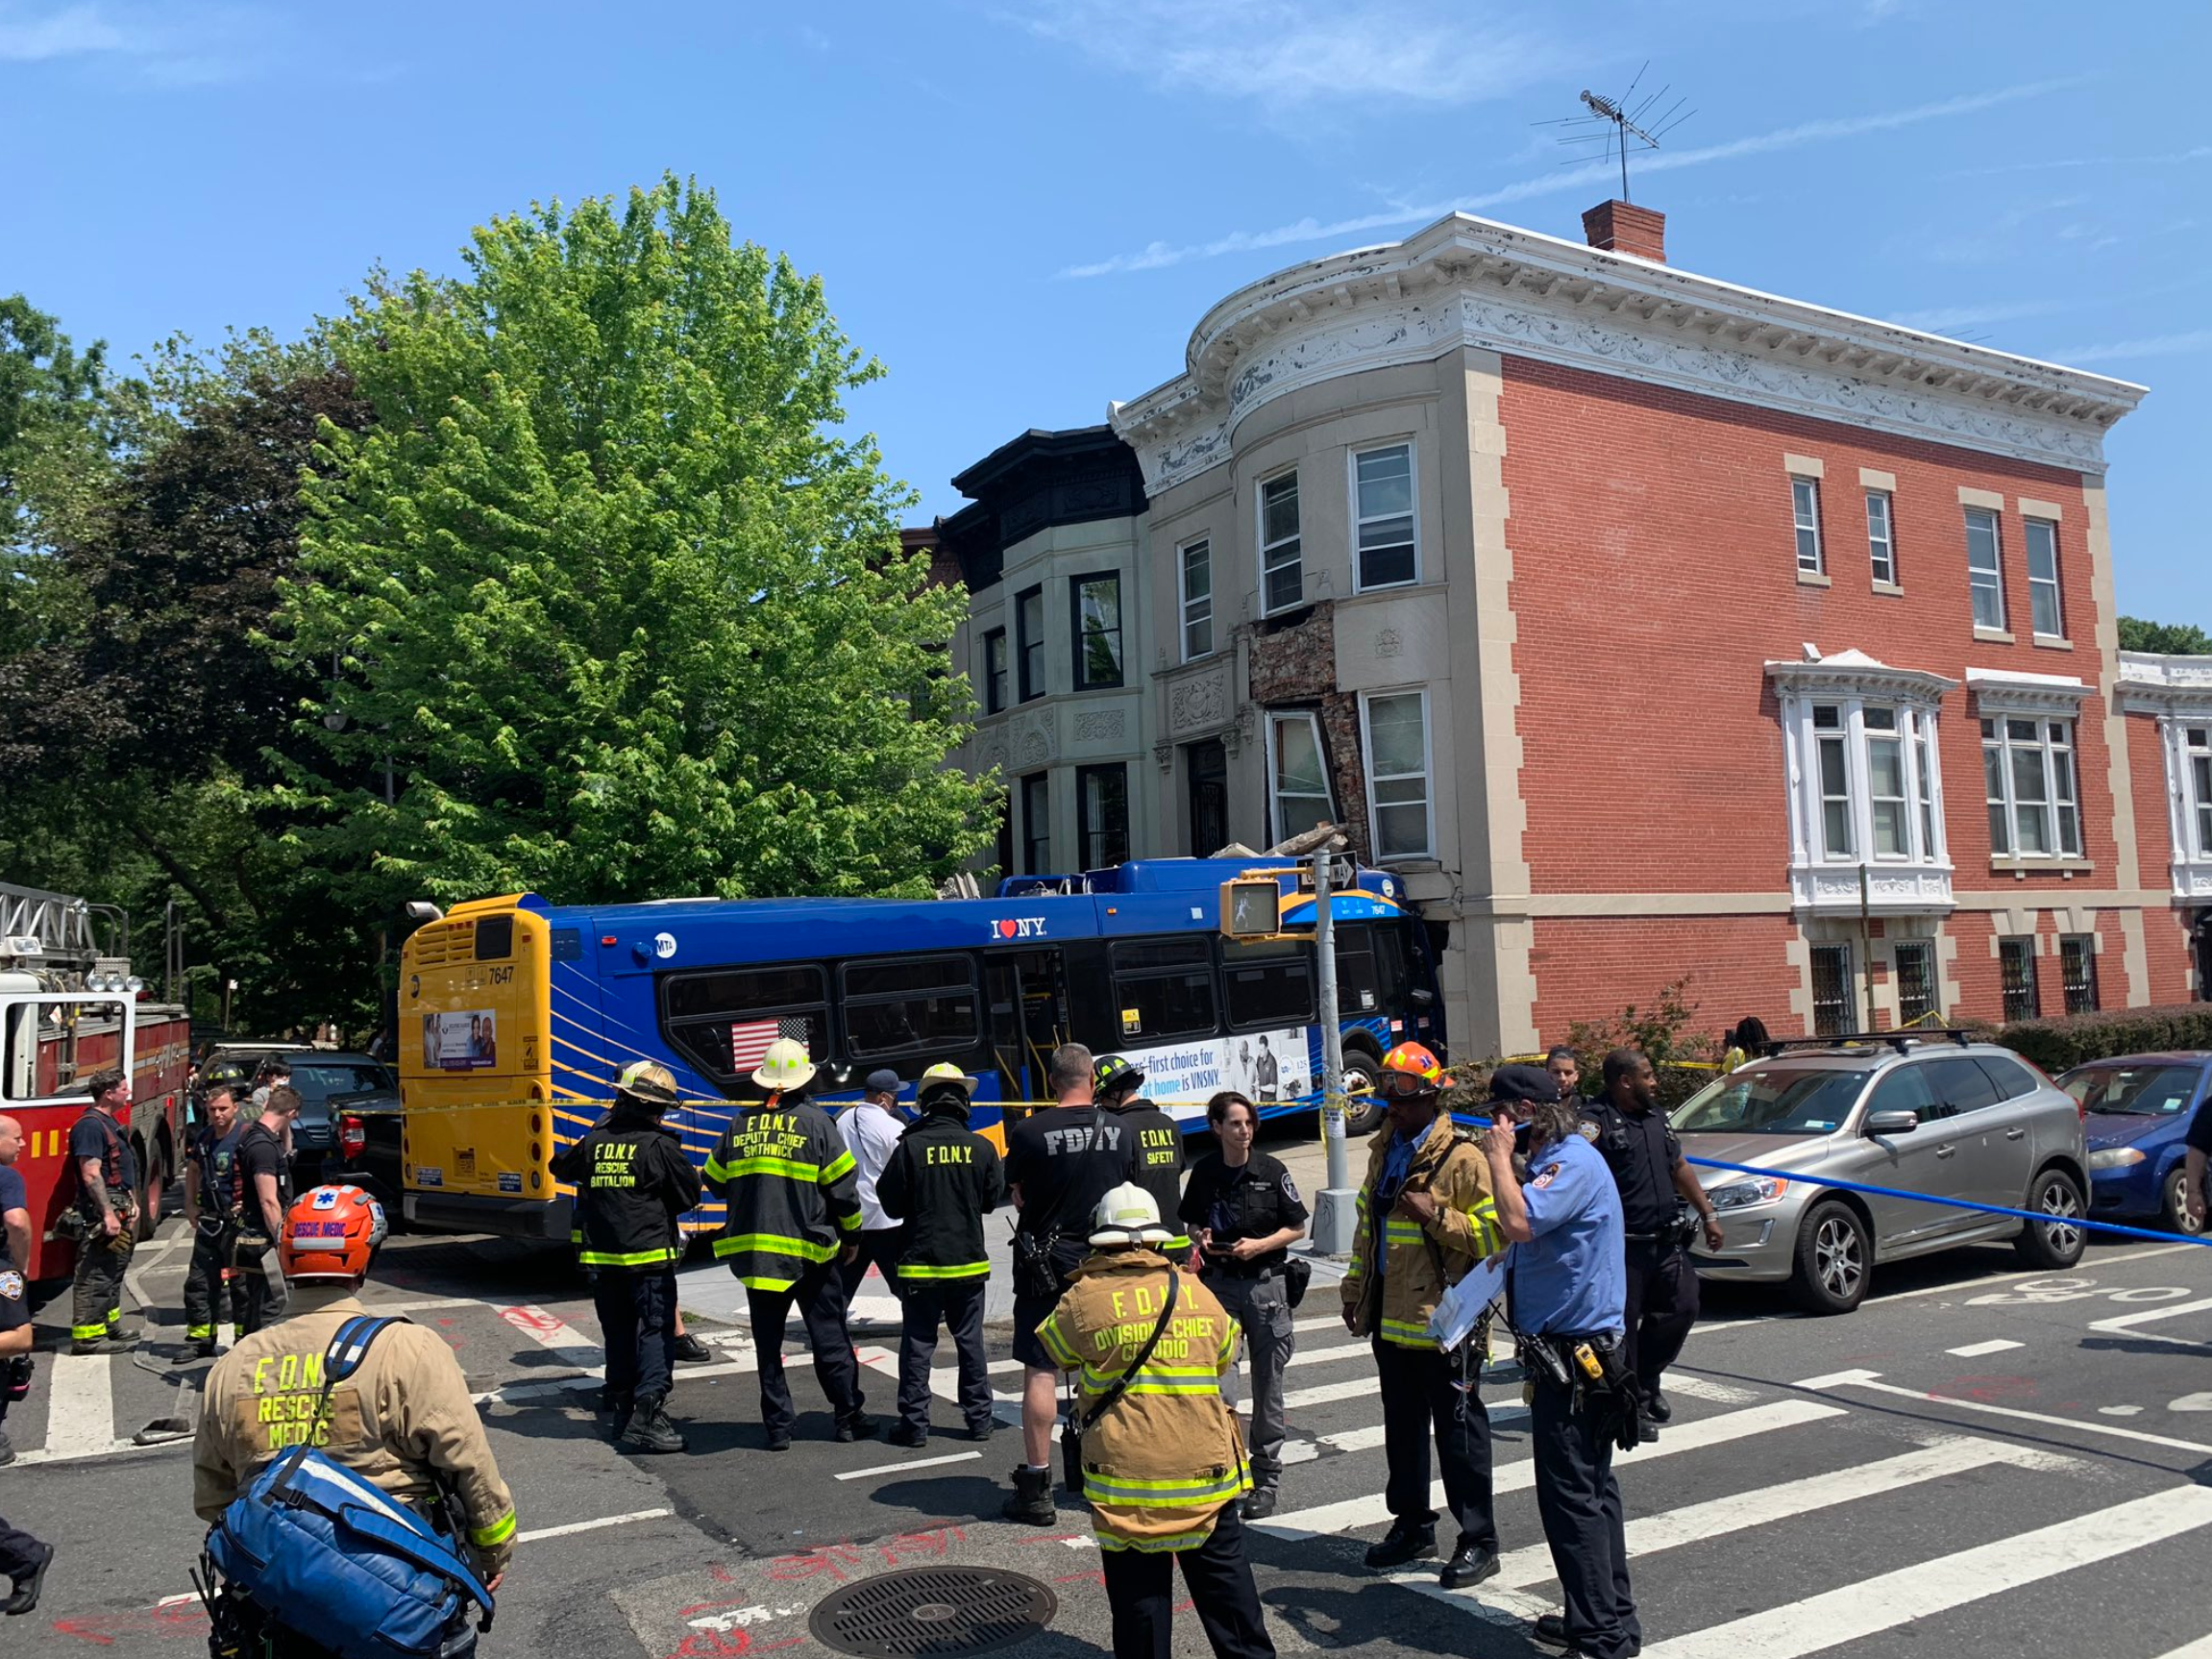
[{"x": 65, "y": 1014}]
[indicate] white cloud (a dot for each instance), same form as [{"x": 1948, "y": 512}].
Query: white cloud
[
  {"x": 1292, "y": 53},
  {"x": 1943, "y": 320},
  {"x": 2152, "y": 346},
  {"x": 177, "y": 46},
  {"x": 1156, "y": 254},
  {"x": 70, "y": 33},
  {"x": 2114, "y": 164}
]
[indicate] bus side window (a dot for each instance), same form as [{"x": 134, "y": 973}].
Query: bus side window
[
  {"x": 722, "y": 1019},
  {"x": 1357, "y": 989},
  {"x": 1393, "y": 966},
  {"x": 911, "y": 1006},
  {"x": 1163, "y": 988},
  {"x": 1268, "y": 984},
  {"x": 494, "y": 938}
]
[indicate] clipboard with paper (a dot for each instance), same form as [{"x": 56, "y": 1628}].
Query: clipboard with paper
[{"x": 1462, "y": 1306}]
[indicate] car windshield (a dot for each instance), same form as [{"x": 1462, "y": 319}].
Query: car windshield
[
  {"x": 323, "y": 1079},
  {"x": 2151, "y": 1090},
  {"x": 1771, "y": 1100}
]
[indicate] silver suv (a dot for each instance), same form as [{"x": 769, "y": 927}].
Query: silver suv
[{"x": 1933, "y": 1114}]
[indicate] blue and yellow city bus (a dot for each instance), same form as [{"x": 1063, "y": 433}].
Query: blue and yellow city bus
[{"x": 516, "y": 1015}]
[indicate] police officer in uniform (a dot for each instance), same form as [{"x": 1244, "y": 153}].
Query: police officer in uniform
[
  {"x": 23, "y": 1558},
  {"x": 640, "y": 1181},
  {"x": 1638, "y": 1146},
  {"x": 1243, "y": 1211},
  {"x": 940, "y": 1182},
  {"x": 212, "y": 1190},
  {"x": 1567, "y": 1287},
  {"x": 1155, "y": 1144},
  {"x": 1162, "y": 1468}
]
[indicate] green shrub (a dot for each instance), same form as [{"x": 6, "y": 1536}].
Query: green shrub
[{"x": 2071, "y": 1040}]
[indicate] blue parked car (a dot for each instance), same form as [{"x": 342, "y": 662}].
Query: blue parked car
[{"x": 2135, "y": 1110}]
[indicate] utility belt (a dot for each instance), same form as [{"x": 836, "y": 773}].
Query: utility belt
[
  {"x": 1677, "y": 1232},
  {"x": 1593, "y": 1367}
]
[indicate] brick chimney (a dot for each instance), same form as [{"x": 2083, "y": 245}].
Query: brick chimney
[{"x": 1624, "y": 227}]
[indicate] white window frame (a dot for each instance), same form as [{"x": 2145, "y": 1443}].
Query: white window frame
[
  {"x": 1993, "y": 578},
  {"x": 2177, "y": 691},
  {"x": 1881, "y": 543},
  {"x": 1185, "y": 606},
  {"x": 2196, "y": 750},
  {"x": 2040, "y": 587},
  {"x": 2060, "y": 759},
  {"x": 1427, "y": 776},
  {"x": 1297, "y": 539},
  {"x": 1919, "y": 809},
  {"x": 1804, "y": 521},
  {"x": 1312, "y": 719},
  {"x": 1412, "y": 515}
]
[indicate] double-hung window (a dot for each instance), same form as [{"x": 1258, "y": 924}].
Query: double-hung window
[
  {"x": 994, "y": 671},
  {"x": 1037, "y": 824},
  {"x": 2027, "y": 768},
  {"x": 1102, "y": 797},
  {"x": 1397, "y": 738},
  {"x": 1986, "y": 568},
  {"x": 1195, "y": 565},
  {"x": 1805, "y": 514},
  {"x": 1029, "y": 638},
  {"x": 1096, "y": 605},
  {"x": 1282, "y": 563},
  {"x": 1297, "y": 774},
  {"x": 1383, "y": 553},
  {"x": 1831, "y": 745},
  {"x": 2043, "y": 603},
  {"x": 2197, "y": 755},
  {"x": 1880, "y": 538}
]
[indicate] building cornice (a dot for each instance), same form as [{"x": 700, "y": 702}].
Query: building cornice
[
  {"x": 2181, "y": 686},
  {"x": 2005, "y": 691},
  {"x": 1468, "y": 281},
  {"x": 1854, "y": 674}
]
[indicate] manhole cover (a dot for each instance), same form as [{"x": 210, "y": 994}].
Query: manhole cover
[{"x": 932, "y": 1611}]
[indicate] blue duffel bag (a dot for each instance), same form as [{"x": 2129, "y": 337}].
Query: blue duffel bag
[{"x": 328, "y": 1555}]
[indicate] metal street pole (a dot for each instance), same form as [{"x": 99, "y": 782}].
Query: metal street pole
[{"x": 1335, "y": 1212}]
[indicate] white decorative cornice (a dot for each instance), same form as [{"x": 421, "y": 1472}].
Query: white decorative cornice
[
  {"x": 1467, "y": 281},
  {"x": 1855, "y": 673},
  {"x": 2004, "y": 691},
  {"x": 2152, "y": 683}
]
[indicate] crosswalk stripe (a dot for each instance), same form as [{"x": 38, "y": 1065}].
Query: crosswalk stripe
[
  {"x": 2200, "y": 1649},
  {"x": 1520, "y": 1476},
  {"x": 1329, "y": 1355},
  {"x": 552, "y": 1332},
  {"x": 1872, "y": 1605},
  {"x": 1739, "y": 1512},
  {"x": 80, "y": 1411}
]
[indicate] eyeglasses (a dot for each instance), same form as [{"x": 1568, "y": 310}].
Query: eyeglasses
[{"x": 1403, "y": 1085}]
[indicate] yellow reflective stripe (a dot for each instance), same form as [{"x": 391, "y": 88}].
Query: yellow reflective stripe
[
  {"x": 1403, "y": 1233},
  {"x": 774, "y": 1244},
  {"x": 789, "y": 1168},
  {"x": 615, "y": 1258},
  {"x": 839, "y": 1165},
  {"x": 965, "y": 1270},
  {"x": 1181, "y": 1541},
  {"x": 851, "y": 1223},
  {"x": 1056, "y": 1345},
  {"x": 89, "y": 1332},
  {"x": 1162, "y": 1494},
  {"x": 1210, "y": 1387},
  {"x": 1179, "y": 1242},
  {"x": 498, "y": 1532},
  {"x": 755, "y": 1281}
]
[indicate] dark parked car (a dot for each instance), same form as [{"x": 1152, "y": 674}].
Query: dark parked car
[
  {"x": 319, "y": 1137},
  {"x": 2135, "y": 1109}
]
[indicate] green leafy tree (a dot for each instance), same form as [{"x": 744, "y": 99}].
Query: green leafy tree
[
  {"x": 605, "y": 588},
  {"x": 2168, "y": 639},
  {"x": 51, "y": 412}
]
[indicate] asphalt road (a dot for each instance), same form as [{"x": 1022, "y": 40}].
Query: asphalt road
[{"x": 1981, "y": 1460}]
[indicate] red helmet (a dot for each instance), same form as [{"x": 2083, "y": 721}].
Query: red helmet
[
  {"x": 330, "y": 1235},
  {"x": 1410, "y": 1069}
]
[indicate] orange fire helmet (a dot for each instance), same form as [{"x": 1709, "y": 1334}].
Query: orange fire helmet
[
  {"x": 1410, "y": 1069},
  {"x": 330, "y": 1235}
]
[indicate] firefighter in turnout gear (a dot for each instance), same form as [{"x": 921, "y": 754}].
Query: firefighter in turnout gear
[
  {"x": 1163, "y": 1463},
  {"x": 106, "y": 1214},
  {"x": 1155, "y": 1144},
  {"x": 638, "y": 1181},
  {"x": 214, "y": 1189},
  {"x": 941, "y": 1181},
  {"x": 793, "y": 1200},
  {"x": 1426, "y": 1215},
  {"x": 403, "y": 1421}
]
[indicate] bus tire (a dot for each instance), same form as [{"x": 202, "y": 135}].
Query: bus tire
[{"x": 1363, "y": 1108}]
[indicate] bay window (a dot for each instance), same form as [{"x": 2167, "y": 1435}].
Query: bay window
[
  {"x": 2177, "y": 692},
  {"x": 2029, "y": 777}
]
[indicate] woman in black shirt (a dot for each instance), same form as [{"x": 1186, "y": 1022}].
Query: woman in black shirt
[{"x": 1243, "y": 1213}]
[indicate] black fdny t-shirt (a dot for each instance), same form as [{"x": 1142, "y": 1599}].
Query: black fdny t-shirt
[
  {"x": 261, "y": 1153},
  {"x": 96, "y": 1136},
  {"x": 1064, "y": 1160},
  {"x": 1642, "y": 1152}
]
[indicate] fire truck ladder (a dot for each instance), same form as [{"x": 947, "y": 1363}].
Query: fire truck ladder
[{"x": 50, "y": 931}]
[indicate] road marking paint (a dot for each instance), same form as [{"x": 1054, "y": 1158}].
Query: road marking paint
[
  {"x": 916, "y": 1463},
  {"x": 549, "y": 1330},
  {"x": 81, "y": 1408},
  {"x": 2189, "y": 1402},
  {"x": 1329, "y": 1393},
  {"x": 1866, "y": 1379},
  {"x": 1872, "y": 1605},
  {"x": 536, "y": 1533},
  {"x": 1694, "y": 1522},
  {"x": 2121, "y": 1410},
  {"x": 2128, "y": 1321},
  {"x": 1976, "y": 1349},
  {"x": 2200, "y": 1649},
  {"x": 1519, "y": 1477},
  {"x": 2103, "y": 1261},
  {"x": 1329, "y": 1355}
]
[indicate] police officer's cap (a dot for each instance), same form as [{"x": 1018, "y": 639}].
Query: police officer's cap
[{"x": 1517, "y": 1085}]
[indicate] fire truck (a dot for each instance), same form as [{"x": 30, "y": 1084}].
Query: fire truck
[{"x": 67, "y": 1011}]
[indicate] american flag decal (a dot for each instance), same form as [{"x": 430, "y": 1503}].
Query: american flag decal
[{"x": 748, "y": 1039}]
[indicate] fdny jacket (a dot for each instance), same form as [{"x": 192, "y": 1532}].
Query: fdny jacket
[
  {"x": 633, "y": 1179},
  {"x": 941, "y": 1179},
  {"x": 402, "y": 1421},
  {"x": 793, "y": 1197},
  {"x": 1155, "y": 1159},
  {"x": 1418, "y": 1263},
  {"x": 1162, "y": 1460}
]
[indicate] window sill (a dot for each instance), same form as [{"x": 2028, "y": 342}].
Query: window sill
[
  {"x": 1813, "y": 579},
  {"x": 1894, "y": 589},
  {"x": 1993, "y": 635},
  {"x": 2052, "y": 642},
  {"x": 2023, "y": 867}
]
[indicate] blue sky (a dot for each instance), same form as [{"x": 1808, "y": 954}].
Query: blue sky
[{"x": 1024, "y": 208}]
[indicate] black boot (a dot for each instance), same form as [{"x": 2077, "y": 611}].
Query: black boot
[
  {"x": 1407, "y": 1541},
  {"x": 650, "y": 1430},
  {"x": 689, "y": 1350},
  {"x": 1031, "y": 1500},
  {"x": 26, "y": 1595}
]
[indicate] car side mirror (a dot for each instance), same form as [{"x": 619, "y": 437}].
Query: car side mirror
[{"x": 1892, "y": 1123}]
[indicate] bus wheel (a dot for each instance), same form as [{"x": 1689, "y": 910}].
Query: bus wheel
[{"x": 1363, "y": 1108}]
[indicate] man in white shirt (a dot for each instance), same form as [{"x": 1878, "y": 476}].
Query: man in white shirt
[{"x": 871, "y": 1127}]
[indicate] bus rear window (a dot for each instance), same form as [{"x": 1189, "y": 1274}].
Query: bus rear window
[
  {"x": 1267, "y": 985},
  {"x": 494, "y": 938},
  {"x": 915, "y": 1005},
  {"x": 1163, "y": 988}
]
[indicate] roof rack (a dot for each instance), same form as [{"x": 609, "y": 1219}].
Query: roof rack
[{"x": 1902, "y": 1040}]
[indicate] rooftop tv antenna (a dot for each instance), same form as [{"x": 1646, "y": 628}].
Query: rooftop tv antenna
[{"x": 1624, "y": 123}]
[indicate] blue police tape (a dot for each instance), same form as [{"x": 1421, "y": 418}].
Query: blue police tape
[{"x": 1841, "y": 1185}]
